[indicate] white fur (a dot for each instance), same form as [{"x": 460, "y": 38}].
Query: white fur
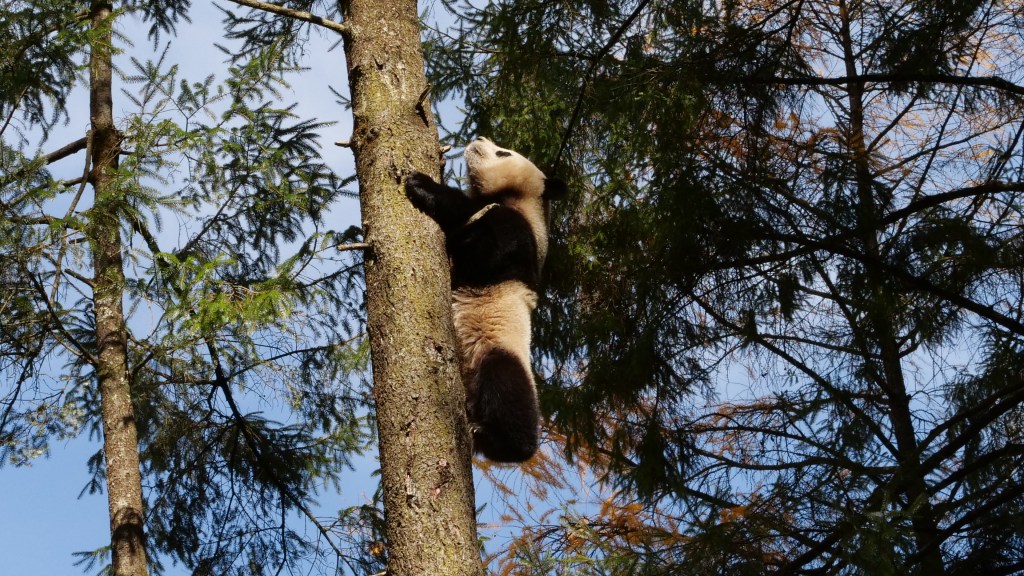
[
  {"x": 493, "y": 322},
  {"x": 492, "y": 174},
  {"x": 494, "y": 317}
]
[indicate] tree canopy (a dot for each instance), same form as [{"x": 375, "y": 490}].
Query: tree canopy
[
  {"x": 783, "y": 326},
  {"x": 785, "y": 305}
]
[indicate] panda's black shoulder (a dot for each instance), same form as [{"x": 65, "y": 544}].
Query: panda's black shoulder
[{"x": 496, "y": 245}]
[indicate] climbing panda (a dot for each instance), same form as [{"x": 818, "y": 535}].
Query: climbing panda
[{"x": 497, "y": 238}]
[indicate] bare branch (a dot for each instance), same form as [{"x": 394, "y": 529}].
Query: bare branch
[
  {"x": 353, "y": 246},
  {"x": 995, "y": 82},
  {"x": 67, "y": 150},
  {"x": 338, "y": 27}
]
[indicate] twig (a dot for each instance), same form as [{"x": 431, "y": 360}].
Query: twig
[
  {"x": 353, "y": 246},
  {"x": 338, "y": 27},
  {"x": 83, "y": 279}
]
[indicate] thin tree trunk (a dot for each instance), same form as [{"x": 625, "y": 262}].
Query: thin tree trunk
[
  {"x": 120, "y": 438},
  {"x": 889, "y": 372},
  {"x": 424, "y": 438}
]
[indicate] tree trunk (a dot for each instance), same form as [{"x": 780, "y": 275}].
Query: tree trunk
[
  {"x": 888, "y": 373},
  {"x": 120, "y": 438},
  {"x": 424, "y": 438}
]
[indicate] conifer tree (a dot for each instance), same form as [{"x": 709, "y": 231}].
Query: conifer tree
[
  {"x": 251, "y": 301},
  {"x": 809, "y": 213},
  {"x": 171, "y": 344},
  {"x": 425, "y": 448},
  {"x": 103, "y": 233},
  {"x": 423, "y": 435}
]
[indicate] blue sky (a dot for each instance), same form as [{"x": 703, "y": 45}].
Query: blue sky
[{"x": 44, "y": 521}]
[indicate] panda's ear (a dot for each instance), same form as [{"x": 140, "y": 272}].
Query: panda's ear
[{"x": 555, "y": 189}]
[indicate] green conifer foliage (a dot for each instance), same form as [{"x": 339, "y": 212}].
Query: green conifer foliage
[
  {"x": 785, "y": 300},
  {"x": 187, "y": 269}
]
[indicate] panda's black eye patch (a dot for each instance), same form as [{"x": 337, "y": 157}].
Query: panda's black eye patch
[{"x": 502, "y": 153}]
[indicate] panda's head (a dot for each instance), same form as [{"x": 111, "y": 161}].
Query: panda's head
[{"x": 507, "y": 177}]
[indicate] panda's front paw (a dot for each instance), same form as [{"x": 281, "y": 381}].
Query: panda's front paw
[{"x": 419, "y": 189}]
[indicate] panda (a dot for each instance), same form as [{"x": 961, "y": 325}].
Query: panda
[{"x": 497, "y": 239}]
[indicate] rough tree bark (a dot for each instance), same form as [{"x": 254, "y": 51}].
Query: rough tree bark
[
  {"x": 120, "y": 437},
  {"x": 424, "y": 438}
]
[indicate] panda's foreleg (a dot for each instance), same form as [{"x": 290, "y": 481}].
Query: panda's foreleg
[
  {"x": 447, "y": 206},
  {"x": 505, "y": 411}
]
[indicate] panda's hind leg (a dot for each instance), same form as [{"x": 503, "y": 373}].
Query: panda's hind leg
[{"x": 505, "y": 412}]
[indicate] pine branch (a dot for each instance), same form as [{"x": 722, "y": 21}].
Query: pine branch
[
  {"x": 578, "y": 108},
  {"x": 943, "y": 197},
  {"x": 222, "y": 382},
  {"x": 62, "y": 335},
  {"x": 836, "y": 392},
  {"x": 907, "y": 278},
  {"x": 58, "y": 154},
  {"x": 995, "y": 82},
  {"x": 85, "y": 143}
]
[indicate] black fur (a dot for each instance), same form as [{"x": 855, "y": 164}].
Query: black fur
[
  {"x": 555, "y": 189},
  {"x": 505, "y": 400},
  {"x": 491, "y": 243},
  {"x": 497, "y": 247}
]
